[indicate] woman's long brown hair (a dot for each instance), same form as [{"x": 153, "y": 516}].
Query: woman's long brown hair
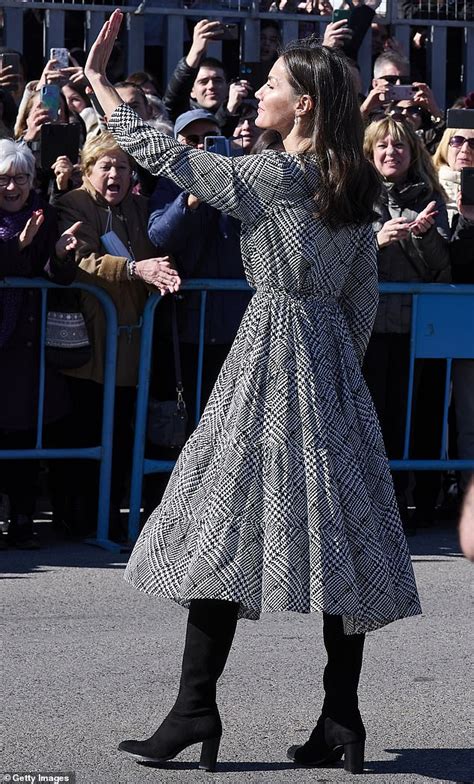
[{"x": 349, "y": 185}]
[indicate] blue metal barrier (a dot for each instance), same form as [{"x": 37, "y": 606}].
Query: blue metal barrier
[
  {"x": 103, "y": 452},
  {"x": 442, "y": 327}
]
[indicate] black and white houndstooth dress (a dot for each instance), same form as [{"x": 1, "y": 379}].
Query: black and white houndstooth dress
[{"x": 282, "y": 498}]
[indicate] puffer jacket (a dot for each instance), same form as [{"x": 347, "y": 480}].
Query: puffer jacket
[{"x": 417, "y": 259}]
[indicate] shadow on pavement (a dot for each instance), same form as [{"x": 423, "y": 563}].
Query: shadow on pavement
[{"x": 447, "y": 765}]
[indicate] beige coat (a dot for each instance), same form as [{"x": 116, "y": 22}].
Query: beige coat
[{"x": 98, "y": 268}]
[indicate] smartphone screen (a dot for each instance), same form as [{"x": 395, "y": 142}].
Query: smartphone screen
[{"x": 49, "y": 98}]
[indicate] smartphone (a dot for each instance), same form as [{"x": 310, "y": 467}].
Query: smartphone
[
  {"x": 12, "y": 59},
  {"x": 399, "y": 92},
  {"x": 217, "y": 144},
  {"x": 58, "y": 139},
  {"x": 61, "y": 55},
  {"x": 341, "y": 13},
  {"x": 50, "y": 98},
  {"x": 228, "y": 32},
  {"x": 460, "y": 118},
  {"x": 467, "y": 186}
]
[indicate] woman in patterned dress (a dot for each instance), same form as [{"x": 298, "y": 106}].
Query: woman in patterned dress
[{"x": 282, "y": 498}]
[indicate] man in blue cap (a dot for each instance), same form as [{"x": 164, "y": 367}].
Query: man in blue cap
[{"x": 192, "y": 127}]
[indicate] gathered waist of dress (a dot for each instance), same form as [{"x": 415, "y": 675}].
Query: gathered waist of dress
[{"x": 296, "y": 296}]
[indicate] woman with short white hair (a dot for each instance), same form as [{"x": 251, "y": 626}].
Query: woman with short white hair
[{"x": 30, "y": 246}]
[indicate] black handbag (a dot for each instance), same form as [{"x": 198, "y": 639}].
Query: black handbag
[
  {"x": 168, "y": 419},
  {"x": 67, "y": 343}
]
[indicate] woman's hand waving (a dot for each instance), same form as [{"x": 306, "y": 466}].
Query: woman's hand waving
[{"x": 96, "y": 65}]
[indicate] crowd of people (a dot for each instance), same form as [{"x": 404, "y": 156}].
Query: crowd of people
[{"x": 99, "y": 218}]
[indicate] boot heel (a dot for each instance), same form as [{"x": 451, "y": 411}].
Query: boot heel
[
  {"x": 354, "y": 757},
  {"x": 209, "y": 751}
]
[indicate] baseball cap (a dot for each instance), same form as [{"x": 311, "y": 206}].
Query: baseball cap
[{"x": 187, "y": 118}]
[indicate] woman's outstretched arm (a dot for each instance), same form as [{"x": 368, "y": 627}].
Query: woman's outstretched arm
[
  {"x": 96, "y": 65},
  {"x": 245, "y": 187}
]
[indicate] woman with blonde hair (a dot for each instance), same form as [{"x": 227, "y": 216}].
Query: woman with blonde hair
[
  {"x": 455, "y": 153},
  {"x": 115, "y": 254},
  {"x": 412, "y": 237}
]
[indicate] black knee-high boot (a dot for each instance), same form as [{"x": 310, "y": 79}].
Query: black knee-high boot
[
  {"x": 339, "y": 729},
  {"x": 194, "y": 717}
]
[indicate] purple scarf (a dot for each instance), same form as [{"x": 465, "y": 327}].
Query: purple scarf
[{"x": 11, "y": 299}]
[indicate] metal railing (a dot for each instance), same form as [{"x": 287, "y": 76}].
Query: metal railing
[
  {"x": 102, "y": 452},
  {"x": 442, "y": 327},
  {"x": 400, "y": 15}
]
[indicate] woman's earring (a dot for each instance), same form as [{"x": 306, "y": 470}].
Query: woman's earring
[{"x": 297, "y": 119}]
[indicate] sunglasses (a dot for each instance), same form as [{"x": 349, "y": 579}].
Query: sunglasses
[
  {"x": 458, "y": 141},
  {"x": 18, "y": 179},
  {"x": 197, "y": 138},
  {"x": 393, "y": 79}
]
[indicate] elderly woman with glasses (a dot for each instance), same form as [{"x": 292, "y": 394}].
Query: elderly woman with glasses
[
  {"x": 413, "y": 237},
  {"x": 455, "y": 153},
  {"x": 30, "y": 246}
]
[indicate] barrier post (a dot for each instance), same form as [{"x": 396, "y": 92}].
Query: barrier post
[{"x": 102, "y": 453}]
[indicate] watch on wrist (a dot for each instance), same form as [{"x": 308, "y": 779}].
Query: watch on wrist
[{"x": 131, "y": 269}]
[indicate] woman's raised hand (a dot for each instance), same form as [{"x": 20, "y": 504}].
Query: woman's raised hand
[
  {"x": 159, "y": 272},
  {"x": 31, "y": 229},
  {"x": 96, "y": 65},
  {"x": 68, "y": 241},
  {"x": 425, "y": 220}
]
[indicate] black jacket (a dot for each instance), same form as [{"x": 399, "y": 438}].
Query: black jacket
[{"x": 177, "y": 100}]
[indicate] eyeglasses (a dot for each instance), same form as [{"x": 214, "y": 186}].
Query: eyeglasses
[
  {"x": 197, "y": 138},
  {"x": 18, "y": 179},
  {"x": 458, "y": 141}
]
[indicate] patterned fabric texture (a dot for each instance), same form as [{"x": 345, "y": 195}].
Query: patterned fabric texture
[{"x": 282, "y": 498}]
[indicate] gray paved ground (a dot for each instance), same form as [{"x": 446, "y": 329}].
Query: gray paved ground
[{"x": 88, "y": 661}]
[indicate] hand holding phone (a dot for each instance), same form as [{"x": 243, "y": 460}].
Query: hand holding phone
[
  {"x": 227, "y": 32},
  {"x": 9, "y": 70},
  {"x": 61, "y": 55},
  {"x": 399, "y": 92}
]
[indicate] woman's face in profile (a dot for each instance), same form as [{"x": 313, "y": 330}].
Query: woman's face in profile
[
  {"x": 111, "y": 176},
  {"x": 276, "y": 101},
  {"x": 392, "y": 158}
]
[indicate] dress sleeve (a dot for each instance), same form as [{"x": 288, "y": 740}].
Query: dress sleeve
[
  {"x": 246, "y": 186},
  {"x": 360, "y": 295}
]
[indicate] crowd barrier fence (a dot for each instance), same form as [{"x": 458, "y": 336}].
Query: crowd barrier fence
[
  {"x": 434, "y": 17},
  {"x": 442, "y": 328},
  {"x": 101, "y": 452}
]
